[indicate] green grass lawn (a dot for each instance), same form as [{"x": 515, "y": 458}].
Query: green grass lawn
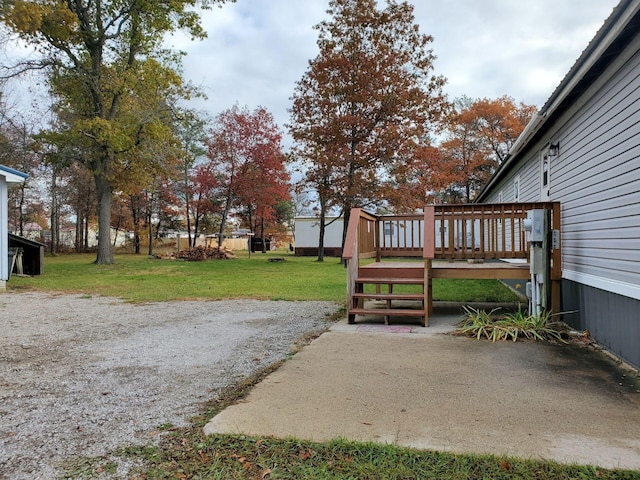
[
  {"x": 138, "y": 278},
  {"x": 240, "y": 457}
]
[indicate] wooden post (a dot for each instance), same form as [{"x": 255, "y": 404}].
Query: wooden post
[
  {"x": 377, "y": 240},
  {"x": 428, "y": 293},
  {"x": 556, "y": 262},
  {"x": 545, "y": 300},
  {"x": 351, "y": 255},
  {"x": 428, "y": 254}
]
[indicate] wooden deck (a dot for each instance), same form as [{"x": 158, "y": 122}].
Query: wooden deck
[
  {"x": 443, "y": 269},
  {"x": 448, "y": 241}
]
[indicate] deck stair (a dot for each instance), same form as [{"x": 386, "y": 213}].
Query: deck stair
[{"x": 384, "y": 276}]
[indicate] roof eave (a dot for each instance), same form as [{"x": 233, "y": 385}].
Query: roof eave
[
  {"x": 13, "y": 176},
  {"x": 622, "y": 14}
]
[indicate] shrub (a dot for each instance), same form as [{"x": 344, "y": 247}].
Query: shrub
[{"x": 479, "y": 323}]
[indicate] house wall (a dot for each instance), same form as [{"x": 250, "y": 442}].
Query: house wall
[
  {"x": 619, "y": 332},
  {"x": 596, "y": 177},
  {"x": 307, "y": 234},
  {"x": 4, "y": 234}
]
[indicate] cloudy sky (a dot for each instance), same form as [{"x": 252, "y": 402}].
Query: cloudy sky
[{"x": 258, "y": 49}]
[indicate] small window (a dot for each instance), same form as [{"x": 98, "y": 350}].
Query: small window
[
  {"x": 516, "y": 189},
  {"x": 500, "y": 197},
  {"x": 388, "y": 229}
]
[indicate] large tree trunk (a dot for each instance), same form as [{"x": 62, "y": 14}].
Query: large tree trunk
[
  {"x": 223, "y": 221},
  {"x": 191, "y": 244},
  {"x": 134, "y": 203},
  {"x": 79, "y": 228},
  {"x": 323, "y": 212},
  {"x": 150, "y": 224},
  {"x": 54, "y": 213},
  {"x": 104, "y": 192},
  {"x": 264, "y": 239}
]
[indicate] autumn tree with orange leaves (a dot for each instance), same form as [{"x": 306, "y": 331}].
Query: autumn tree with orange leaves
[
  {"x": 480, "y": 134},
  {"x": 245, "y": 155},
  {"x": 365, "y": 103}
]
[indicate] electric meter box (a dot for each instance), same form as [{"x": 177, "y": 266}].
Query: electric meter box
[{"x": 535, "y": 219}]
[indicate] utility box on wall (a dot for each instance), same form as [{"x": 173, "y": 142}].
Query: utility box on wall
[{"x": 535, "y": 225}]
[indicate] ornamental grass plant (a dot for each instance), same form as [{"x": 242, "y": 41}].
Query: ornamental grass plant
[{"x": 511, "y": 326}]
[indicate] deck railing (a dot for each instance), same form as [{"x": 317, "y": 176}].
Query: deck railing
[
  {"x": 453, "y": 232},
  {"x": 449, "y": 232}
]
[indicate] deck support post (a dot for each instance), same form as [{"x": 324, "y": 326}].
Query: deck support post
[
  {"x": 428, "y": 253},
  {"x": 427, "y": 303},
  {"x": 556, "y": 263}
]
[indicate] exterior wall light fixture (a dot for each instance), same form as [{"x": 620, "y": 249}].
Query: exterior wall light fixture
[{"x": 554, "y": 149}]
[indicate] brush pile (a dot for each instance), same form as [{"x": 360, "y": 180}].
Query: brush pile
[{"x": 200, "y": 253}]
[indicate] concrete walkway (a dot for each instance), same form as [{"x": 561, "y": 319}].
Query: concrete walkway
[{"x": 418, "y": 387}]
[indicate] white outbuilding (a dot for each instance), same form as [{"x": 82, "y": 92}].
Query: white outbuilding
[
  {"x": 307, "y": 236},
  {"x": 8, "y": 177}
]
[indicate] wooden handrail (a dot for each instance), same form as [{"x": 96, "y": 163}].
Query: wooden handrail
[{"x": 352, "y": 234}]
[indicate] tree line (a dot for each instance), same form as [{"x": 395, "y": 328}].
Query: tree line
[{"x": 371, "y": 125}]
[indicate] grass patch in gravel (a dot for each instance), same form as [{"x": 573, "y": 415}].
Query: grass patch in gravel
[{"x": 138, "y": 278}]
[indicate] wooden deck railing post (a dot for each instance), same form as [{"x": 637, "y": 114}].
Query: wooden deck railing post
[
  {"x": 351, "y": 255},
  {"x": 427, "y": 255}
]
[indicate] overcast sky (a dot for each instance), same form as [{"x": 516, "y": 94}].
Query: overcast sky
[{"x": 258, "y": 49}]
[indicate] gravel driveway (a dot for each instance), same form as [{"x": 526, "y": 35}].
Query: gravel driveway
[{"x": 81, "y": 375}]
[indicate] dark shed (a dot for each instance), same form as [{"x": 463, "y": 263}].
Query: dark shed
[{"x": 32, "y": 255}]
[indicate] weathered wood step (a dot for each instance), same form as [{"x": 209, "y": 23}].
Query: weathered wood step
[
  {"x": 388, "y": 280},
  {"x": 391, "y": 312},
  {"x": 390, "y": 296}
]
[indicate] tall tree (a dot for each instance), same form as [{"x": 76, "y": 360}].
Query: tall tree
[
  {"x": 479, "y": 135},
  {"x": 500, "y": 122},
  {"x": 20, "y": 150},
  {"x": 204, "y": 187},
  {"x": 105, "y": 58},
  {"x": 365, "y": 101},
  {"x": 191, "y": 132},
  {"x": 418, "y": 180},
  {"x": 265, "y": 186},
  {"x": 245, "y": 152}
]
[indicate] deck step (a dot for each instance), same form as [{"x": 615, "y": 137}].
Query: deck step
[
  {"x": 391, "y": 312},
  {"x": 390, "y": 296},
  {"x": 388, "y": 280}
]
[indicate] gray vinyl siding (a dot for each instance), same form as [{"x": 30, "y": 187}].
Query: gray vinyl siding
[
  {"x": 596, "y": 178},
  {"x": 529, "y": 183},
  {"x": 610, "y": 318}
]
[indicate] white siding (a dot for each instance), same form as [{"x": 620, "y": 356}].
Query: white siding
[
  {"x": 307, "y": 233},
  {"x": 4, "y": 233},
  {"x": 596, "y": 177}
]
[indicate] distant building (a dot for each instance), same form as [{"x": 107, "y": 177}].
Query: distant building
[{"x": 307, "y": 235}]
